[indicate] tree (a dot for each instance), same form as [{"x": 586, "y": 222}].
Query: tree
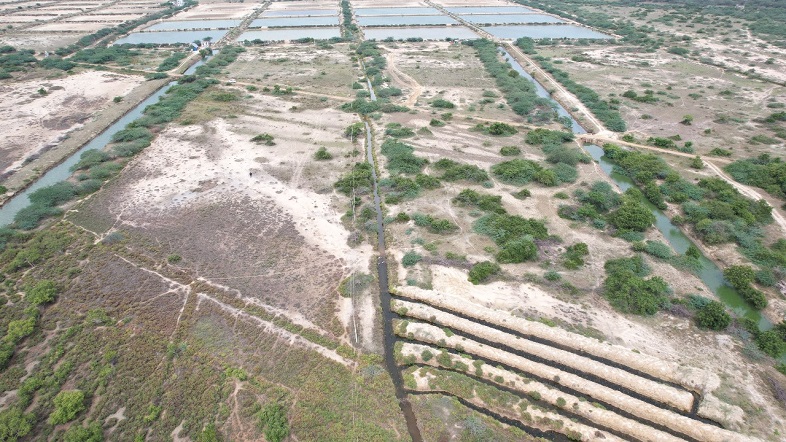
[
  {"x": 68, "y": 403},
  {"x": 697, "y": 163},
  {"x": 43, "y": 292},
  {"x": 771, "y": 343},
  {"x": 15, "y": 424},
  {"x": 687, "y": 120},
  {"x": 713, "y": 316}
]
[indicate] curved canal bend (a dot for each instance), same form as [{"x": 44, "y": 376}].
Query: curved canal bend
[{"x": 709, "y": 273}]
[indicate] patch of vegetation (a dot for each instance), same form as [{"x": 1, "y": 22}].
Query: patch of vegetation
[
  {"x": 740, "y": 277},
  {"x": 358, "y": 180},
  {"x": 764, "y": 171},
  {"x": 713, "y": 316},
  {"x": 488, "y": 203},
  {"x": 322, "y": 154},
  {"x": 172, "y": 61},
  {"x": 573, "y": 257},
  {"x": 265, "y": 139},
  {"x": 496, "y": 128},
  {"x": 398, "y": 131},
  {"x": 455, "y": 171},
  {"x": 519, "y": 92},
  {"x": 483, "y": 271},
  {"x": 607, "y": 114},
  {"x": 401, "y": 158},
  {"x": 410, "y": 259},
  {"x": 629, "y": 292},
  {"x": 510, "y": 151},
  {"x": 440, "y": 103},
  {"x": 434, "y": 225}
]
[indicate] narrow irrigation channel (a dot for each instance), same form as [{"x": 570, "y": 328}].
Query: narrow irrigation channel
[
  {"x": 389, "y": 338},
  {"x": 709, "y": 273},
  {"x": 63, "y": 171}
]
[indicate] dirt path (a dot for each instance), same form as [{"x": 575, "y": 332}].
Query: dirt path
[
  {"x": 302, "y": 92},
  {"x": 415, "y": 89}
]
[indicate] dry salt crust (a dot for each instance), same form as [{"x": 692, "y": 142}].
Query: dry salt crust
[
  {"x": 104, "y": 18},
  {"x": 40, "y": 41},
  {"x": 20, "y": 19},
  {"x": 68, "y": 27},
  {"x": 217, "y": 11},
  {"x": 42, "y": 120}
]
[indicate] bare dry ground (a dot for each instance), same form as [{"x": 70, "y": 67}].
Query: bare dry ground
[{"x": 43, "y": 120}]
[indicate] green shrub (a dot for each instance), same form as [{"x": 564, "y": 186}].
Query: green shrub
[
  {"x": 171, "y": 62},
  {"x": 132, "y": 134},
  {"x": 68, "y": 403},
  {"x": 628, "y": 291},
  {"x": 503, "y": 228},
  {"x": 632, "y": 215},
  {"x": 546, "y": 136},
  {"x": 358, "y": 179},
  {"x": 771, "y": 343},
  {"x": 322, "y": 154},
  {"x": 410, "y": 259},
  {"x": 78, "y": 433},
  {"x": 552, "y": 276},
  {"x": 265, "y": 139},
  {"x": 522, "y": 194},
  {"x": 713, "y": 316},
  {"x": 442, "y": 104},
  {"x": 488, "y": 203},
  {"x": 658, "y": 249},
  {"x": 15, "y": 424},
  {"x": 43, "y": 292},
  {"x": 273, "y": 423},
  {"x": 454, "y": 171},
  {"x": 436, "y": 123},
  {"x": 517, "y": 172},
  {"x": 482, "y": 271},
  {"x": 31, "y": 216},
  {"x": 517, "y": 250},
  {"x": 104, "y": 170},
  {"x": 510, "y": 151},
  {"x": 398, "y": 131},
  {"x": 427, "y": 181},
  {"x": 91, "y": 158},
  {"x": 574, "y": 255},
  {"x": 401, "y": 158}
]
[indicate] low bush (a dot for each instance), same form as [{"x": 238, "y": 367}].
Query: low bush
[
  {"x": 713, "y": 316},
  {"x": 482, "y": 271}
]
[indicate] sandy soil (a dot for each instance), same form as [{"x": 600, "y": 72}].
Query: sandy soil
[
  {"x": 700, "y": 431},
  {"x": 40, "y": 42},
  {"x": 104, "y": 18},
  {"x": 583, "y": 408},
  {"x": 42, "y": 121},
  {"x": 68, "y": 27},
  {"x": 217, "y": 11}
]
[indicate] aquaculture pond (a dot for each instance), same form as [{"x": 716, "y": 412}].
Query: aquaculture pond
[
  {"x": 490, "y": 10},
  {"x": 286, "y": 34},
  {"x": 404, "y": 20},
  {"x": 300, "y": 13},
  {"x": 288, "y": 22},
  {"x": 511, "y": 18},
  {"x": 193, "y": 24},
  {"x": 170, "y": 37},
  {"x": 515, "y": 32},
  {"x": 424, "y": 32},
  {"x": 396, "y": 11}
]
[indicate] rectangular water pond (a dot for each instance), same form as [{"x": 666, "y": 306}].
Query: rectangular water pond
[
  {"x": 169, "y": 37},
  {"x": 300, "y": 13},
  {"x": 291, "y": 34},
  {"x": 424, "y": 32},
  {"x": 404, "y": 20},
  {"x": 495, "y": 19},
  {"x": 291, "y": 22},
  {"x": 360, "y": 12},
  {"x": 490, "y": 10},
  {"x": 193, "y": 24},
  {"x": 543, "y": 31}
]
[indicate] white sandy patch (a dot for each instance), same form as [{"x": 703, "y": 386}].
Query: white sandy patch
[{"x": 42, "y": 120}]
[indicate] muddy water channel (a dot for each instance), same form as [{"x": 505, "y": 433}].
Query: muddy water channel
[
  {"x": 709, "y": 273},
  {"x": 389, "y": 338}
]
